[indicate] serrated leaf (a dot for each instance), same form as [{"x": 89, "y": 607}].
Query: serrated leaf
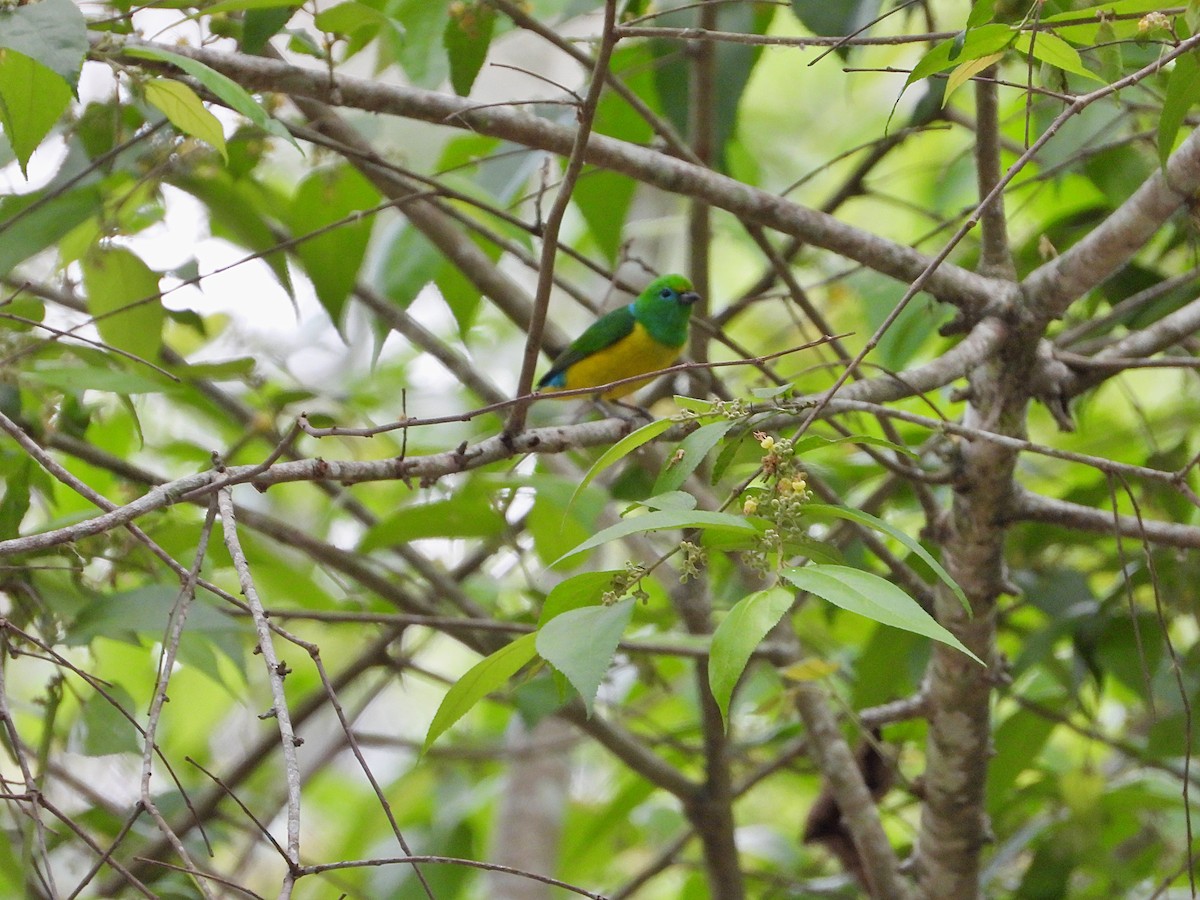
[
  {"x": 52, "y": 32},
  {"x": 621, "y": 449},
  {"x": 581, "y": 643},
  {"x": 863, "y": 518},
  {"x": 740, "y": 632},
  {"x": 489, "y": 674},
  {"x": 691, "y": 452},
  {"x": 232, "y": 93},
  {"x": 467, "y": 37},
  {"x": 186, "y": 111},
  {"x": 866, "y": 594},
  {"x": 467, "y": 515},
  {"x": 32, "y": 97},
  {"x": 658, "y": 521},
  {"x": 123, "y": 298}
]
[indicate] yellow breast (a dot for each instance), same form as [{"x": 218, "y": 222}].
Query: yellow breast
[{"x": 634, "y": 354}]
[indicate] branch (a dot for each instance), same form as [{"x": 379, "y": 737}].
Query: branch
[
  {"x": 1027, "y": 506},
  {"x": 1051, "y": 288},
  {"x": 948, "y": 283}
]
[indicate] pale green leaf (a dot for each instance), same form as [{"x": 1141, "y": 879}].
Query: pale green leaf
[
  {"x": 185, "y": 111},
  {"x": 232, "y": 93},
  {"x": 876, "y": 598},
  {"x": 580, "y": 643}
]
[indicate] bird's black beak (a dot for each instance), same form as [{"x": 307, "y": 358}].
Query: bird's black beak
[{"x": 687, "y": 298}]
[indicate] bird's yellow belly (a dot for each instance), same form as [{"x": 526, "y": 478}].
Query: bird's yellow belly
[{"x": 635, "y": 354}]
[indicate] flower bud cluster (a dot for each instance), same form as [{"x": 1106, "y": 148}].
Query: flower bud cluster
[
  {"x": 781, "y": 499},
  {"x": 622, "y": 584}
]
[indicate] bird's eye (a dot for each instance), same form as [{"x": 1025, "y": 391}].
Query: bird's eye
[{"x": 665, "y": 293}]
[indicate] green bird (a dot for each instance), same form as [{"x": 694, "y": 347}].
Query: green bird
[{"x": 644, "y": 336}]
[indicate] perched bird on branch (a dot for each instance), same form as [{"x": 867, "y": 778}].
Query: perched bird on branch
[{"x": 642, "y": 337}]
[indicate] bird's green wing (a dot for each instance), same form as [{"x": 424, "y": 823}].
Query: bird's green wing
[{"x": 604, "y": 332}]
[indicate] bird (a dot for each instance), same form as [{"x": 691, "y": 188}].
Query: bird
[{"x": 644, "y": 336}]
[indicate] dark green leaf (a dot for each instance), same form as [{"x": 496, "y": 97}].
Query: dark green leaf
[
  {"x": 260, "y": 25},
  {"x": 332, "y": 259},
  {"x": 740, "y": 632},
  {"x": 1183, "y": 90},
  {"x": 105, "y": 728},
  {"x": 467, "y": 37},
  {"x": 575, "y": 592},
  {"x": 692, "y": 449},
  {"x": 467, "y": 515}
]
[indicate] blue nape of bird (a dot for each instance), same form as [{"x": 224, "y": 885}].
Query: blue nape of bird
[{"x": 642, "y": 337}]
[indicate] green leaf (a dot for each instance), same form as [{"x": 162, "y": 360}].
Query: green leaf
[
  {"x": 93, "y": 378},
  {"x": 237, "y": 212},
  {"x": 469, "y": 514},
  {"x": 16, "y": 495},
  {"x": 227, "y": 89},
  {"x": 105, "y": 728},
  {"x": 981, "y": 13},
  {"x": 979, "y": 42},
  {"x": 123, "y": 298},
  {"x": 835, "y": 19},
  {"x": 32, "y": 97},
  {"x": 225, "y": 6},
  {"x": 52, "y": 32},
  {"x": 1183, "y": 90},
  {"x": 658, "y": 521},
  {"x": 876, "y": 598},
  {"x": 621, "y": 449},
  {"x": 351, "y": 16},
  {"x": 332, "y": 259},
  {"x": 21, "y": 238},
  {"x": 489, "y": 674},
  {"x": 581, "y": 590},
  {"x": 184, "y": 109},
  {"x": 691, "y": 452},
  {"x": 262, "y": 24},
  {"x": 467, "y": 37},
  {"x": 421, "y": 52},
  {"x": 1054, "y": 51},
  {"x": 864, "y": 518},
  {"x": 581, "y": 643},
  {"x": 740, "y": 632}
]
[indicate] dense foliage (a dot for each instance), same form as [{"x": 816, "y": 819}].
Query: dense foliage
[{"x": 889, "y": 592}]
